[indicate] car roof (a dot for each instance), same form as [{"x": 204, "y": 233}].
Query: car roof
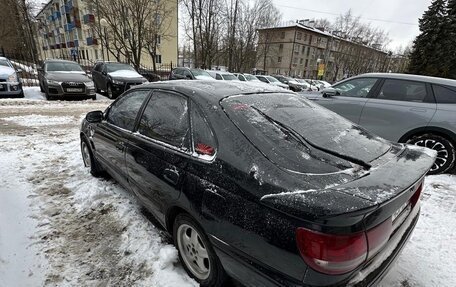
[
  {"x": 220, "y": 72},
  {"x": 4, "y": 58},
  {"x": 58, "y": 61},
  {"x": 410, "y": 77},
  {"x": 212, "y": 91}
]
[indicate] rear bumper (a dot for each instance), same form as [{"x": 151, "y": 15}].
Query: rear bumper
[
  {"x": 375, "y": 270},
  {"x": 251, "y": 273}
]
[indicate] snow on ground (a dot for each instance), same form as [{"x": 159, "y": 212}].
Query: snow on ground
[
  {"x": 79, "y": 230},
  {"x": 59, "y": 226}
]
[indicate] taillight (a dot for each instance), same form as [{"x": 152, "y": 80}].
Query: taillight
[
  {"x": 332, "y": 254},
  {"x": 378, "y": 236},
  {"x": 417, "y": 195},
  {"x": 338, "y": 254},
  {"x": 204, "y": 149}
]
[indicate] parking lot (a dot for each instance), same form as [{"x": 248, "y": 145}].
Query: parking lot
[{"x": 62, "y": 227}]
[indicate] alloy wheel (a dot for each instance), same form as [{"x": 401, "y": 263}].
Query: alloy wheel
[
  {"x": 193, "y": 251},
  {"x": 442, "y": 152},
  {"x": 85, "y": 154}
]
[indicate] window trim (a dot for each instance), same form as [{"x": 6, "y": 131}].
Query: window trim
[
  {"x": 373, "y": 91},
  {"x": 108, "y": 109},
  {"x": 159, "y": 142},
  {"x": 429, "y": 99},
  {"x": 192, "y": 106}
]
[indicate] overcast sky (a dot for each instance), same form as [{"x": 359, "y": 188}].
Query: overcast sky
[{"x": 399, "y": 17}]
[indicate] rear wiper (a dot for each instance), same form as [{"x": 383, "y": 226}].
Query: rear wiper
[{"x": 288, "y": 130}]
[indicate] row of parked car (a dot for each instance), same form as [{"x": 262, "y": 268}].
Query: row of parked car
[{"x": 294, "y": 84}]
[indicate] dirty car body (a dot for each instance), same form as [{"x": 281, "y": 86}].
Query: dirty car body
[{"x": 288, "y": 193}]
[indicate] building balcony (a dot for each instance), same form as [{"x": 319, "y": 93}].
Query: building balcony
[
  {"x": 77, "y": 23},
  {"x": 69, "y": 27},
  {"x": 56, "y": 15},
  {"x": 92, "y": 41},
  {"x": 89, "y": 18},
  {"x": 70, "y": 44},
  {"x": 63, "y": 45},
  {"x": 69, "y": 4},
  {"x": 76, "y": 43},
  {"x": 57, "y": 46},
  {"x": 52, "y": 47}
]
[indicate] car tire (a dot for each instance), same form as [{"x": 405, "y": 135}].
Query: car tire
[
  {"x": 41, "y": 88},
  {"x": 21, "y": 95},
  {"x": 97, "y": 90},
  {"x": 48, "y": 97},
  {"x": 196, "y": 253},
  {"x": 446, "y": 153},
  {"x": 89, "y": 160},
  {"x": 109, "y": 92}
]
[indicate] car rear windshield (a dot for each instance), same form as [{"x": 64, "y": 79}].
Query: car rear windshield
[
  {"x": 63, "y": 67},
  {"x": 229, "y": 77},
  {"x": 257, "y": 117},
  {"x": 112, "y": 67},
  {"x": 272, "y": 79}
]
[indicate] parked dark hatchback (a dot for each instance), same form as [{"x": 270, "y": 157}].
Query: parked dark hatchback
[{"x": 258, "y": 183}]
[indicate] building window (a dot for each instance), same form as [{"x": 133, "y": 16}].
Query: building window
[
  {"x": 280, "y": 47},
  {"x": 295, "y": 60},
  {"x": 310, "y": 40},
  {"x": 305, "y": 37},
  {"x": 158, "y": 59},
  {"x": 282, "y": 35},
  {"x": 299, "y": 36},
  {"x": 158, "y": 39},
  {"x": 301, "y": 61},
  {"x": 279, "y": 60},
  {"x": 307, "y": 63},
  {"x": 308, "y": 51},
  {"x": 303, "y": 50}
]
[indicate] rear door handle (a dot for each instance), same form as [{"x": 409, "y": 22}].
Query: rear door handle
[
  {"x": 171, "y": 176},
  {"x": 120, "y": 146}
]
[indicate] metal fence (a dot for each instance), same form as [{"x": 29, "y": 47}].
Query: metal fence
[{"x": 29, "y": 74}]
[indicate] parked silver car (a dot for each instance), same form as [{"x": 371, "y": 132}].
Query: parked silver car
[
  {"x": 403, "y": 108},
  {"x": 10, "y": 83}
]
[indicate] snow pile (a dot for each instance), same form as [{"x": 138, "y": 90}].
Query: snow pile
[
  {"x": 39, "y": 120},
  {"x": 428, "y": 257},
  {"x": 91, "y": 231}
]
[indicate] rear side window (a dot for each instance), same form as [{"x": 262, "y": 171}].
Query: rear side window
[
  {"x": 262, "y": 79},
  {"x": 203, "y": 139},
  {"x": 356, "y": 88},
  {"x": 444, "y": 94},
  {"x": 400, "y": 90},
  {"x": 165, "y": 119},
  {"x": 218, "y": 77},
  {"x": 124, "y": 111}
]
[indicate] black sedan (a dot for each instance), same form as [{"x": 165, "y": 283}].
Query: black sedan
[
  {"x": 115, "y": 78},
  {"x": 258, "y": 183}
]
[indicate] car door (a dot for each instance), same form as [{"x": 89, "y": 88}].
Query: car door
[
  {"x": 350, "y": 98},
  {"x": 398, "y": 107},
  {"x": 96, "y": 75},
  {"x": 112, "y": 133},
  {"x": 157, "y": 155}
]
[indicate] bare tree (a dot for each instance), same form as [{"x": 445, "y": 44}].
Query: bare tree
[
  {"x": 158, "y": 29},
  {"x": 127, "y": 21}
]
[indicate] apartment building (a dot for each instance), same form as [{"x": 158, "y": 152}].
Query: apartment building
[
  {"x": 302, "y": 50},
  {"x": 67, "y": 29}
]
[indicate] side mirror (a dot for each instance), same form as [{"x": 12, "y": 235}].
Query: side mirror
[
  {"x": 94, "y": 117},
  {"x": 329, "y": 92},
  {"x": 104, "y": 73}
]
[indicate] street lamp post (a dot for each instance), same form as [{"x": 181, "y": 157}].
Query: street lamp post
[{"x": 104, "y": 23}]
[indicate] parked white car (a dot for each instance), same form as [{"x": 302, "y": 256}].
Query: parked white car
[{"x": 223, "y": 76}]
